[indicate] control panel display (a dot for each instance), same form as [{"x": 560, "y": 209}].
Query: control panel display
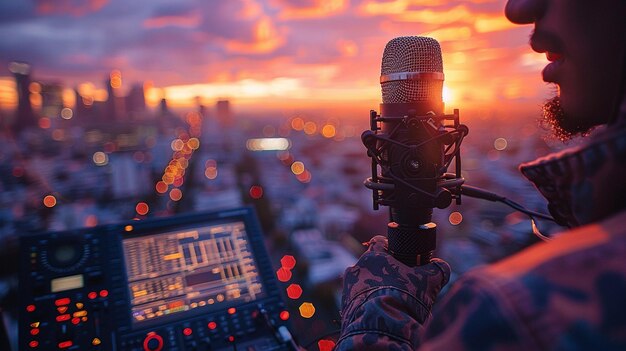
[{"x": 197, "y": 269}]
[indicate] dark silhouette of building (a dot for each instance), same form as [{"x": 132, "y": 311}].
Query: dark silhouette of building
[
  {"x": 136, "y": 102},
  {"x": 224, "y": 115},
  {"x": 25, "y": 117},
  {"x": 115, "y": 109}
]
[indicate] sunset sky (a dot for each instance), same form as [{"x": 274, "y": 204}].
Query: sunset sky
[{"x": 279, "y": 53}]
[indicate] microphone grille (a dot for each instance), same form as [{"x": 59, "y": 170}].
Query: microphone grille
[{"x": 411, "y": 54}]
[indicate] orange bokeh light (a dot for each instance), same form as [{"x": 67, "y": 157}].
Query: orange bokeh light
[
  {"x": 297, "y": 168},
  {"x": 310, "y": 128},
  {"x": 176, "y": 194},
  {"x": 161, "y": 187},
  {"x": 307, "y": 310},
  {"x": 329, "y": 131},
  {"x": 455, "y": 218},
  {"x": 297, "y": 123},
  {"x": 142, "y": 208},
  {"x": 49, "y": 201}
]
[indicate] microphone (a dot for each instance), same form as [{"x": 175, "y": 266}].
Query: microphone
[{"x": 412, "y": 143}]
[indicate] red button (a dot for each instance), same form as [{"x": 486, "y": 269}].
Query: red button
[
  {"x": 33, "y": 344},
  {"x": 284, "y": 315},
  {"x": 104, "y": 293},
  {"x": 212, "y": 325},
  {"x": 62, "y": 302},
  {"x": 63, "y": 317},
  {"x": 187, "y": 331},
  {"x": 232, "y": 310},
  {"x": 65, "y": 344},
  {"x": 75, "y": 320},
  {"x": 92, "y": 295},
  {"x": 231, "y": 338},
  {"x": 30, "y": 308},
  {"x": 34, "y": 331}
]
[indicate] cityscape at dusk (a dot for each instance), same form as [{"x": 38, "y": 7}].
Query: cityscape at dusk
[
  {"x": 114, "y": 111},
  {"x": 271, "y": 54}
]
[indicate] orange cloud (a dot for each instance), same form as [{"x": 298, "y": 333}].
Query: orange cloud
[
  {"x": 493, "y": 23},
  {"x": 316, "y": 9},
  {"x": 177, "y": 21},
  {"x": 74, "y": 7},
  {"x": 267, "y": 38},
  {"x": 395, "y": 7},
  {"x": 348, "y": 48}
]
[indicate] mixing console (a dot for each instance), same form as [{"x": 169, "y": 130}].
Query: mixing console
[{"x": 196, "y": 282}]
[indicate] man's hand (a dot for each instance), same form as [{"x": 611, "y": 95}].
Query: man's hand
[{"x": 377, "y": 269}]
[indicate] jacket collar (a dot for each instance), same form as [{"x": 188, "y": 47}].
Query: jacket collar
[{"x": 583, "y": 184}]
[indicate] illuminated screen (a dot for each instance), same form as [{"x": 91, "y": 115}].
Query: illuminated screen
[{"x": 203, "y": 269}]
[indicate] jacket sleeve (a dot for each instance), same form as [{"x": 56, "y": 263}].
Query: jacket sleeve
[
  {"x": 381, "y": 318},
  {"x": 473, "y": 316}
]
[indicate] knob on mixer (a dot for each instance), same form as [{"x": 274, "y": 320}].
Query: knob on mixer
[{"x": 153, "y": 342}]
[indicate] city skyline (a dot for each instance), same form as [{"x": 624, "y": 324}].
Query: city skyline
[{"x": 277, "y": 53}]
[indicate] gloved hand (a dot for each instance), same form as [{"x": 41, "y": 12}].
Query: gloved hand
[{"x": 377, "y": 272}]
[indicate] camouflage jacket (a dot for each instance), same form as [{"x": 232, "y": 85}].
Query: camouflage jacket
[{"x": 566, "y": 294}]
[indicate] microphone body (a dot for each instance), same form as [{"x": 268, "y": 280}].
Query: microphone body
[{"x": 408, "y": 142}]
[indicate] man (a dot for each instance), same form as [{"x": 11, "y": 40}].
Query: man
[{"x": 567, "y": 294}]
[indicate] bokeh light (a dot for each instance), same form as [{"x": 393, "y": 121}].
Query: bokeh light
[
  {"x": 326, "y": 345},
  {"x": 297, "y": 124},
  {"x": 304, "y": 177},
  {"x": 176, "y": 194},
  {"x": 329, "y": 131},
  {"x": 455, "y": 218},
  {"x": 307, "y": 310},
  {"x": 310, "y": 128},
  {"x": 44, "y": 123},
  {"x": 288, "y": 262},
  {"x": 283, "y": 274},
  {"x": 177, "y": 145},
  {"x": 100, "y": 158},
  {"x": 500, "y": 144},
  {"x": 49, "y": 201},
  {"x": 67, "y": 113},
  {"x": 142, "y": 208},
  {"x": 297, "y": 167},
  {"x": 256, "y": 192},
  {"x": 91, "y": 221},
  {"x": 193, "y": 143},
  {"x": 294, "y": 291}
]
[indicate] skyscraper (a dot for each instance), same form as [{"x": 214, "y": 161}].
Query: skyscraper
[{"x": 25, "y": 117}]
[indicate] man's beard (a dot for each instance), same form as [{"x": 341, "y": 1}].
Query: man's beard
[{"x": 563, "y": 126}]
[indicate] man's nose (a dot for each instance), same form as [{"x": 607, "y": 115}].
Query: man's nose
[{"x": 525, "y": 11}]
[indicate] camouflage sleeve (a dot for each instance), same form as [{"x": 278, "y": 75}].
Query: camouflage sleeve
[
  {"x": 474, "y": 315},
  {"x": 385, "y": 303}
]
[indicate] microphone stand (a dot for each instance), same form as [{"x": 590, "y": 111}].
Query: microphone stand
[{"x": 413, "y": 153}]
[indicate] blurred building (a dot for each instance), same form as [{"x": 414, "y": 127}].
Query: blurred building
[
  {"x": 224, "y": 114},
  {"x": 25, "y": 116},
  {"x": 136, "y": 102}
]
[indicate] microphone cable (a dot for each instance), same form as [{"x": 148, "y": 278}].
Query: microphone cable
[{"x": 479, "y": 193}]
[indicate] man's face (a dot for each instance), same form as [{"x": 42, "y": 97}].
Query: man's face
[{"x": 584, "y": 41}]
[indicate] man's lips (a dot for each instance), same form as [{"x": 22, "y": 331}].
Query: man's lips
[
  {"x": 550, "y": 73},
  {"x": 552, "y": 56}
]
